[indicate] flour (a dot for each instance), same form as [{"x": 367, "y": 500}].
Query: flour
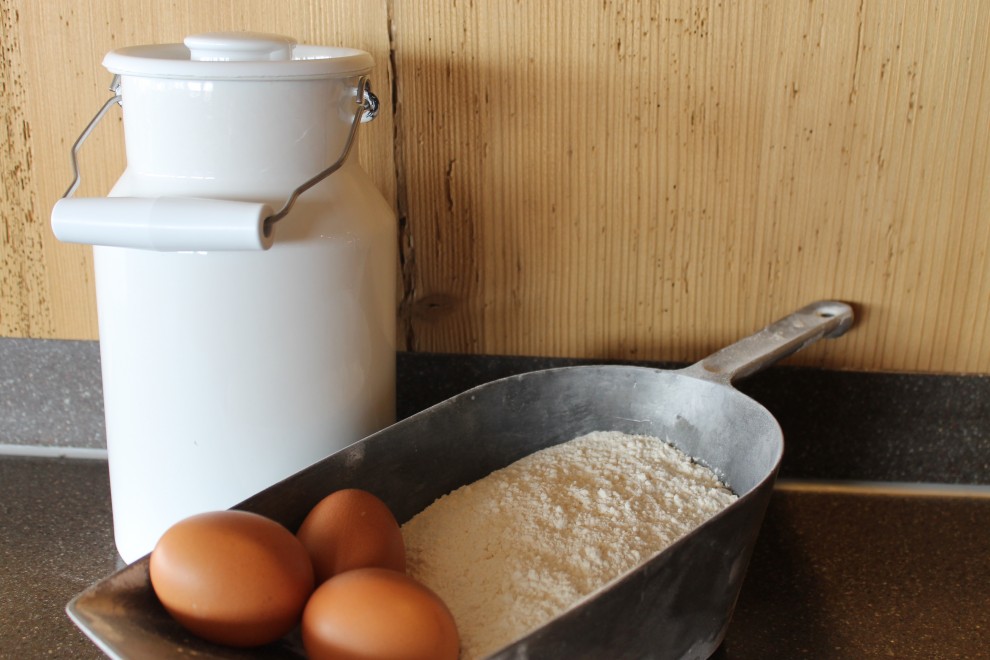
[{"x": 514, "y": 549}]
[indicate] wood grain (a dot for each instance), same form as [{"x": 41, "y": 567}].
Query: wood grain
[
  {"x": 653, "y": 180},
  {"x": 638, "y": 180}
]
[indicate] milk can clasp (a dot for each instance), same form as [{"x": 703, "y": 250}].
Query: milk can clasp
[
  {"x": 366, "y": 109},
  {"x": 77, "y": 145}
]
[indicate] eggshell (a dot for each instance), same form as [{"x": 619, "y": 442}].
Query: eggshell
[
  {"x": 350, "y": 529},
  {"x": 232, "y": 577},
  {"x": 376, "y": 613}
]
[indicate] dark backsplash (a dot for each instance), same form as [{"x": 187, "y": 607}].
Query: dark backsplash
[{"x": 837, "y": 425}]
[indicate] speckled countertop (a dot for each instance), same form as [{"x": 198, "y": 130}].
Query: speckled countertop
[{"x": 855, "y": 558}]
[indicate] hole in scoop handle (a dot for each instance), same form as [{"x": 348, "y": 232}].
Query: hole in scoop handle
[{"x": 823, "y": 319}]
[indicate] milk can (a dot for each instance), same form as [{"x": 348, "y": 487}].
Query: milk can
[{"x": 245, "y": 273}]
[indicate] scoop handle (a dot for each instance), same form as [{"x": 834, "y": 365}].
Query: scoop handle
[
  {"x": 823, "y": 319},
  {"x": 165, "y": 224}
]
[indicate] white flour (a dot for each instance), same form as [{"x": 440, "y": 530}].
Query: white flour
[{"x": 514, "y": 549}]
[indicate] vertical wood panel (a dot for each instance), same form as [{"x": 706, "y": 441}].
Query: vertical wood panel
[
  {"x": 25, "y": 308},
  {"x": 633, "y": 180},
  {"x": 643, "y": 180}
]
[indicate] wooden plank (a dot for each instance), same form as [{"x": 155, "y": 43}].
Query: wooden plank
[
  {"x": 653, "y": 180},
  {"x": 640, "y": 180},
  {"x": 25, "y": 308}
]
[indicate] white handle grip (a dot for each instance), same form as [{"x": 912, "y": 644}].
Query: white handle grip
[{"x": 165, "y": 224}]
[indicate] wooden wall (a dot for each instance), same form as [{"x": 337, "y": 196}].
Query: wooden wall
[{"x": 638, "y": 180}]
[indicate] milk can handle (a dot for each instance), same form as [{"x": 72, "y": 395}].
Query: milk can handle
[{"x": 366, "y": 110}]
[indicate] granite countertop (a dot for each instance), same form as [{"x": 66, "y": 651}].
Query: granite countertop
[{"x": 876, "y": 542}]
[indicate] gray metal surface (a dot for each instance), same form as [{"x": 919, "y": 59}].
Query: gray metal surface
[{"x": 676, "y": 605}]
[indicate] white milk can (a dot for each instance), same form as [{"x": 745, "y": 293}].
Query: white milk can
[{"x": 245, "y": 273}]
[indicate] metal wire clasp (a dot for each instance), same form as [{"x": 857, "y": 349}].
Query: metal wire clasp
[
  {"x": 114, "y": 100},
  {"x": 365, "y": 109}
]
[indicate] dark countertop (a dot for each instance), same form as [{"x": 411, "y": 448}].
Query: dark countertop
[
  {"x": 867, "y": 575},
  {"x": 849, "y": 572},
  {"x": 857, "y": 574},
  {"x": 57, "y": 539}
]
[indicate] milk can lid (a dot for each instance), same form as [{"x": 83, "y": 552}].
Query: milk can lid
[{"x": 237, "y": 56}]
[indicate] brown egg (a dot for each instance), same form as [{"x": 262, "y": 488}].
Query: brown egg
[
  {"x": 232, "y": 577},
  {"x": 376, "y": 613},
  {"x": 351, "y": 529}
]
